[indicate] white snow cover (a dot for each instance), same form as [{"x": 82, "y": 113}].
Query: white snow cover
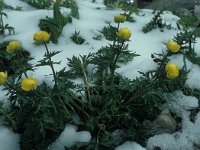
[
  {"x": 91, "y": 20},
  {"x": 8, "y": 139},
  {"x": 130, "y": 146},
  {"x": 69, "y": 137},
  {"x": 189, "y": 134}
]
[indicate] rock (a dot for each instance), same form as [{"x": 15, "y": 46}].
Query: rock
[
  {"x": 118, "y": 136},
  {"x": 185, "y": 12},
  {"x": 172, "y": 4},
  {"x": 197, "y": 11},
  {"x": 164, "y": 123}
]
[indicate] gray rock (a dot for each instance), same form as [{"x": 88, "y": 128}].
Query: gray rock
[
  {"x": 164, "y": 123},
  {"x": 172, "y": 4},
  {"x": 197, "y": 11},
  {"x": 117, "y": 136}
]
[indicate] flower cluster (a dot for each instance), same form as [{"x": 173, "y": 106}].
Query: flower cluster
[
  {"x": 12, "y": 46},
  {"x": 3, "y": 77},
  {"x": 120, "y": 19},
  {"x": 173, "y": 46},
  {"x": 172, "y": 70},
  {"x": 124, "y": 33},
  {"x": 41, "y": 36},
  {"x": 28, "y": 84}
]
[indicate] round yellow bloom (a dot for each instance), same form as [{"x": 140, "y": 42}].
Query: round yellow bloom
[
  {"x": 173, "y": 46},
  {"x": 28, "y": 84},
  {"x": 124, "y": 33},
  {"x": 12, "y": 46},
  {"x": 119, "y": 18},
  {"x": 41, "y": 36},
  {"x": 3, "y": 77},
  {"x": 172, "y": 70}
]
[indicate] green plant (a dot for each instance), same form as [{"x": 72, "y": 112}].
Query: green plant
[
  {"x": 5, "y": 27},
  {"x": 40, "y": 115},
  {"x": 109, "y": 105},
  {"x": 15, "y": 63},
  {"x": 130, "y": 9},
  {"x": 187, "y": 40},
  {"x": 97, "y": 36},
  {"x": 73, "y": 6},
  {"x": 186, "y": 20},
  {"x": 156, "y": 22},
  {"x": 109, "y": 32},
  {"x": 114, "y": 3},
  {"x": 76, "y": 38},
  {"x": 54, "y": 25},
  {"x": 74, "y": 9},
  {"x": 39, "y": 4}
]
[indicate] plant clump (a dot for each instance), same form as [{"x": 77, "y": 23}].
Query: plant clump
[{"x": 110, "y": 105}]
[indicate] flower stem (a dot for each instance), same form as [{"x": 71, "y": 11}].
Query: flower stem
[
  {"x": 114, "y": 42},
  {"x": 113, "y": 66},
  {"x": 51, "y": 64},
  {"x": 2, "y": 24},
  {"x": 87, "y": 86},
  {"x": 22, "y": 56}
]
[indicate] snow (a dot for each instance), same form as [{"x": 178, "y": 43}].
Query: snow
[
  {"x": 130, "y": 146},
  {"x": 189, "y": 135},
  {"x": 91, "y": 21},
  {"x": 8, "y": 139},
  {"x": 69, "y": 137}
]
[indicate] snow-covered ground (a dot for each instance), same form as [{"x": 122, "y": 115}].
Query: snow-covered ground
[{"x": 91, "y": 20}]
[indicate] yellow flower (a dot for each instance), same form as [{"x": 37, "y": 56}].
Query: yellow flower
[
  {"x": 172, "y": 70},
  {"x": 3, "y": 77},
  {"x": 28, "y": 84},
  {"x": 173, "y": 46},
  {"x": 41, "y": 36},
  {"x": 124, "y": 33},
  {"x": 12, "y": 46},
  {"x": 119, "y": 18}
]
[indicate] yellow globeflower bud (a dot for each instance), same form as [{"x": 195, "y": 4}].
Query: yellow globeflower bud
[
  {"x": 119, "y": 18},
  {"x": 12, "y": 46},
  {"x": 3, "y": 77},
  {"x": 173, "y": 46},
  {"x": 28, "y": 84},
  {"x": 124, "y": 33},
  {"x": 41, "y": 36},
  {"x": 172, "y": 70}
]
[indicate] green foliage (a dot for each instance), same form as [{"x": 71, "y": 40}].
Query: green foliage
[
  {"x": 39, "y": 4},
  {"x": 129, "y": 8},
  {"x": 187, "y": 40},
  {"x": 40, "y": 116},
  {"x": 73, "y": 6},
  {"x": 109, "y": 32},
  {"x": 156, "y": 22},
  {"x": 74, "y": 9},
  {"x": 54, "y": 25},
  {"x": 186, "y": 21},
  {"x": 112, "y": 107},
  {"x": 15, "y": 63},
  {"x": 167, "y": 85},
  {"x": 97, "y": 37},
  {"x": 3, "y": 5},
  {"x": 129, "y": 17},
  {"x": 114, "y": 3},
  {"x": 5, "y": 27},
  {"x": 196, "y": 93},
  {"x": 76, "y": 38}
]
